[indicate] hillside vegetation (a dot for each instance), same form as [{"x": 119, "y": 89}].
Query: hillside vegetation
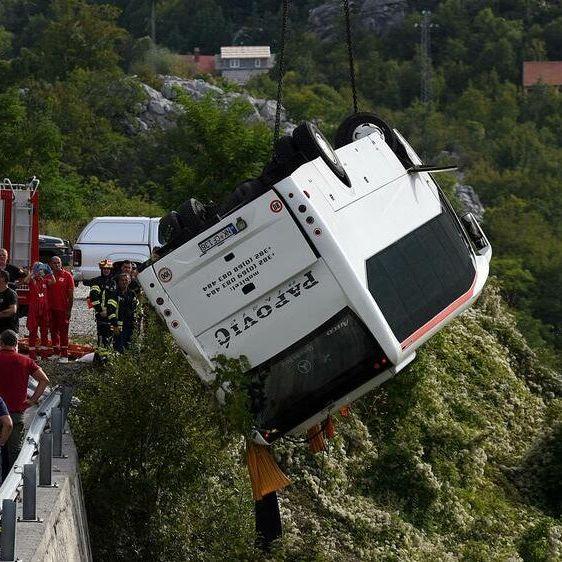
[
  {"x": 68, "y": 97},
  {"x": 457, "y": 458}
]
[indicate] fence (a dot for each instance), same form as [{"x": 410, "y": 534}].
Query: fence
[{"x": 22, "y": 479}]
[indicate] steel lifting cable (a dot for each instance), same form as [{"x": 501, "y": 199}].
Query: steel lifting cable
[
  {"x": 285, "y": 19},
  {"x": 350, "y": 53}
]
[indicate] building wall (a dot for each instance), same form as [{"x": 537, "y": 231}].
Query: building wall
[
  {"x": 241, "y": 76},
  {"x": 244, "y": 64}
]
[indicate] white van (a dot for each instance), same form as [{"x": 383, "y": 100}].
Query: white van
[{"x": 114, "y": 238}]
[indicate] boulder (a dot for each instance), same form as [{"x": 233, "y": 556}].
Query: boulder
[{"x": 470, "y": 200}]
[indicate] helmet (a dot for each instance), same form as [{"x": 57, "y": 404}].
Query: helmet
[{"x": 106, "y": 264}]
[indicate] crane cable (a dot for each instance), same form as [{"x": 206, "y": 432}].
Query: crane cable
[
  {"x": 285, "y": 19},
  {"x": 350, "y": 54}
]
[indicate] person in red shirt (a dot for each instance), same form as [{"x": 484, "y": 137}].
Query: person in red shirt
[
  {"x": 15, "y": 370},
  {"x": 38, "y": 312},
  {"x": 61, "y": 298}
]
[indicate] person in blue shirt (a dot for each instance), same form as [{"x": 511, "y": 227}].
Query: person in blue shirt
[{"x": 6, "y": 423}]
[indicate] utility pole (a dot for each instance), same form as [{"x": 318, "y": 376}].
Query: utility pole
[{"x": 426, "y": 71}]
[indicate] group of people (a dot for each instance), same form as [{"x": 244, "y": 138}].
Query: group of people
[
  {"x": 114, "y": 298},
  {"x": 50, "y": 301}
]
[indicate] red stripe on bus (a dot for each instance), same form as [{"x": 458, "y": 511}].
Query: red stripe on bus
[{"x": 439, "y": 318}]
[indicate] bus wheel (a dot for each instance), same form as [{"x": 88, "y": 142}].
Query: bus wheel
[
  {"x": 313, "y": 144},
  {"x": 360, "y": 125}
]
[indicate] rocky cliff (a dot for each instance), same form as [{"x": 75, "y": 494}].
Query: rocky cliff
[
  {"x": 377, "y": 16},
  {"x": 160, "y": 110}
]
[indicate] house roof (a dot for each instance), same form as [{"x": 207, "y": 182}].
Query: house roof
[
  {"x": 245, "y": 52},
  {"x": 205, "y": 64},
  {"x": 547, "y": 72}
]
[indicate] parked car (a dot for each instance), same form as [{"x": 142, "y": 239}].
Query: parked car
[
  {"x": 50, "y": 246},
  {"x": 114, "y": 238}
]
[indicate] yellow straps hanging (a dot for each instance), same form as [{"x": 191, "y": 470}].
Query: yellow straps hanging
[
  {"x": 265, "y": 474},
  {"x": 315, "y": 436}
]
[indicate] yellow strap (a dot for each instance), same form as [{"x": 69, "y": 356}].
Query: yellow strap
[{"x": 265, "y": 474}]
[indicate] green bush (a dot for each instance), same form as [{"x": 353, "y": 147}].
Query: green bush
[{"x": 161, "y": 480}]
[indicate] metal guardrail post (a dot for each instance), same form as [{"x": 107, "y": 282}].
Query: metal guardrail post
[
  {"x": 29, "y": 493},
  {"x": 8, "y": 536},
  {"x": 65, "y": 402},
  {"x": 45, "y": 459},
  {"x": 56, "y": 431}
]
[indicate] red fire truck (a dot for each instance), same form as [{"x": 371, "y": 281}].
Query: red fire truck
[{"x": 19, "y": 226}]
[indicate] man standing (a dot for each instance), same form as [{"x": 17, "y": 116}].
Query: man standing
[
  {"x": 61, "y": 299},
  {"x": 122, "y": 309},
  {"x": 15, "y": 370},
  {"x": 8, "y": 304},
  {"x": 130, "y": 269},
  {"x": 100, "y": 287},
  {"x": 15, "y": 273}
]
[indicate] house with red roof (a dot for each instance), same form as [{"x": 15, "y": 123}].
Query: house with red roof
[{"x": 542, "y": 72}]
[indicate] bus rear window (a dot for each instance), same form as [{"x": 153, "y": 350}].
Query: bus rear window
[
  {"x": 421, "y": 274},
  {"x": 324, "y": 366}
]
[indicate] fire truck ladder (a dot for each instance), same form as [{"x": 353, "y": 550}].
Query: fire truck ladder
[{"x": 21, "y": 220}]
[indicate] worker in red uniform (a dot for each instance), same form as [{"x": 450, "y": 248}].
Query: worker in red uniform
[
  {"x": 61, "y": 298},
  {"x": 38, "y": 311}
]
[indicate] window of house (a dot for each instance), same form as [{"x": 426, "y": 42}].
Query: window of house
[
  {"x": 234, "y": 63},
  {"x": 257, "y": 63}
]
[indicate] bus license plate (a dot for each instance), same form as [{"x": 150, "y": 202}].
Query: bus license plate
[{"x": 217, "y": 238}]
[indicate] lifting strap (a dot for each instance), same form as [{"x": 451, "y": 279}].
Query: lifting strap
[
  {"x": 265, "y": 474},
  {"x": 285, "y": 19}
]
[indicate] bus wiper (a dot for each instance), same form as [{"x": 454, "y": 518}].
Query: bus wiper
[{"x": 435, "y": 169}]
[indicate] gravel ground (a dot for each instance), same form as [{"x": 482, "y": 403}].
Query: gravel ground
[{"x": 82, "y": 325}]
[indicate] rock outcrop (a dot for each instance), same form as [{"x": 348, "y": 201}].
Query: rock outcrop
[
  {"x": 161, "y": 110},
  {"x": 470, "y": 200},
  {"x": 377, "y": 16}
]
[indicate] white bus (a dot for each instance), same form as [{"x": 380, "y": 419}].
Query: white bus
[{"x": 327, "y": 278}]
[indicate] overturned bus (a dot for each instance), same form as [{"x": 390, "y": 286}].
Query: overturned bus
[{"x": 327, "y": 272}]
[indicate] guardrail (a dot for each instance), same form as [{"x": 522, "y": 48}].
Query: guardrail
[{"x": 53, "y": 408}]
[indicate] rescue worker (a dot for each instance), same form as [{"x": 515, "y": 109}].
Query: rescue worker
[
  {"x": 8, "y": 304},
  {"x": 122, "y": 309},
  {"x": 38, "y": 309},
  {"x": 61, "y": 298},
  {"x": 130, "y": 269},
  {"x": 15, "y": 370},
  {"x": 17, "y": 275},
  {"x": 100, "y": 287}
]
